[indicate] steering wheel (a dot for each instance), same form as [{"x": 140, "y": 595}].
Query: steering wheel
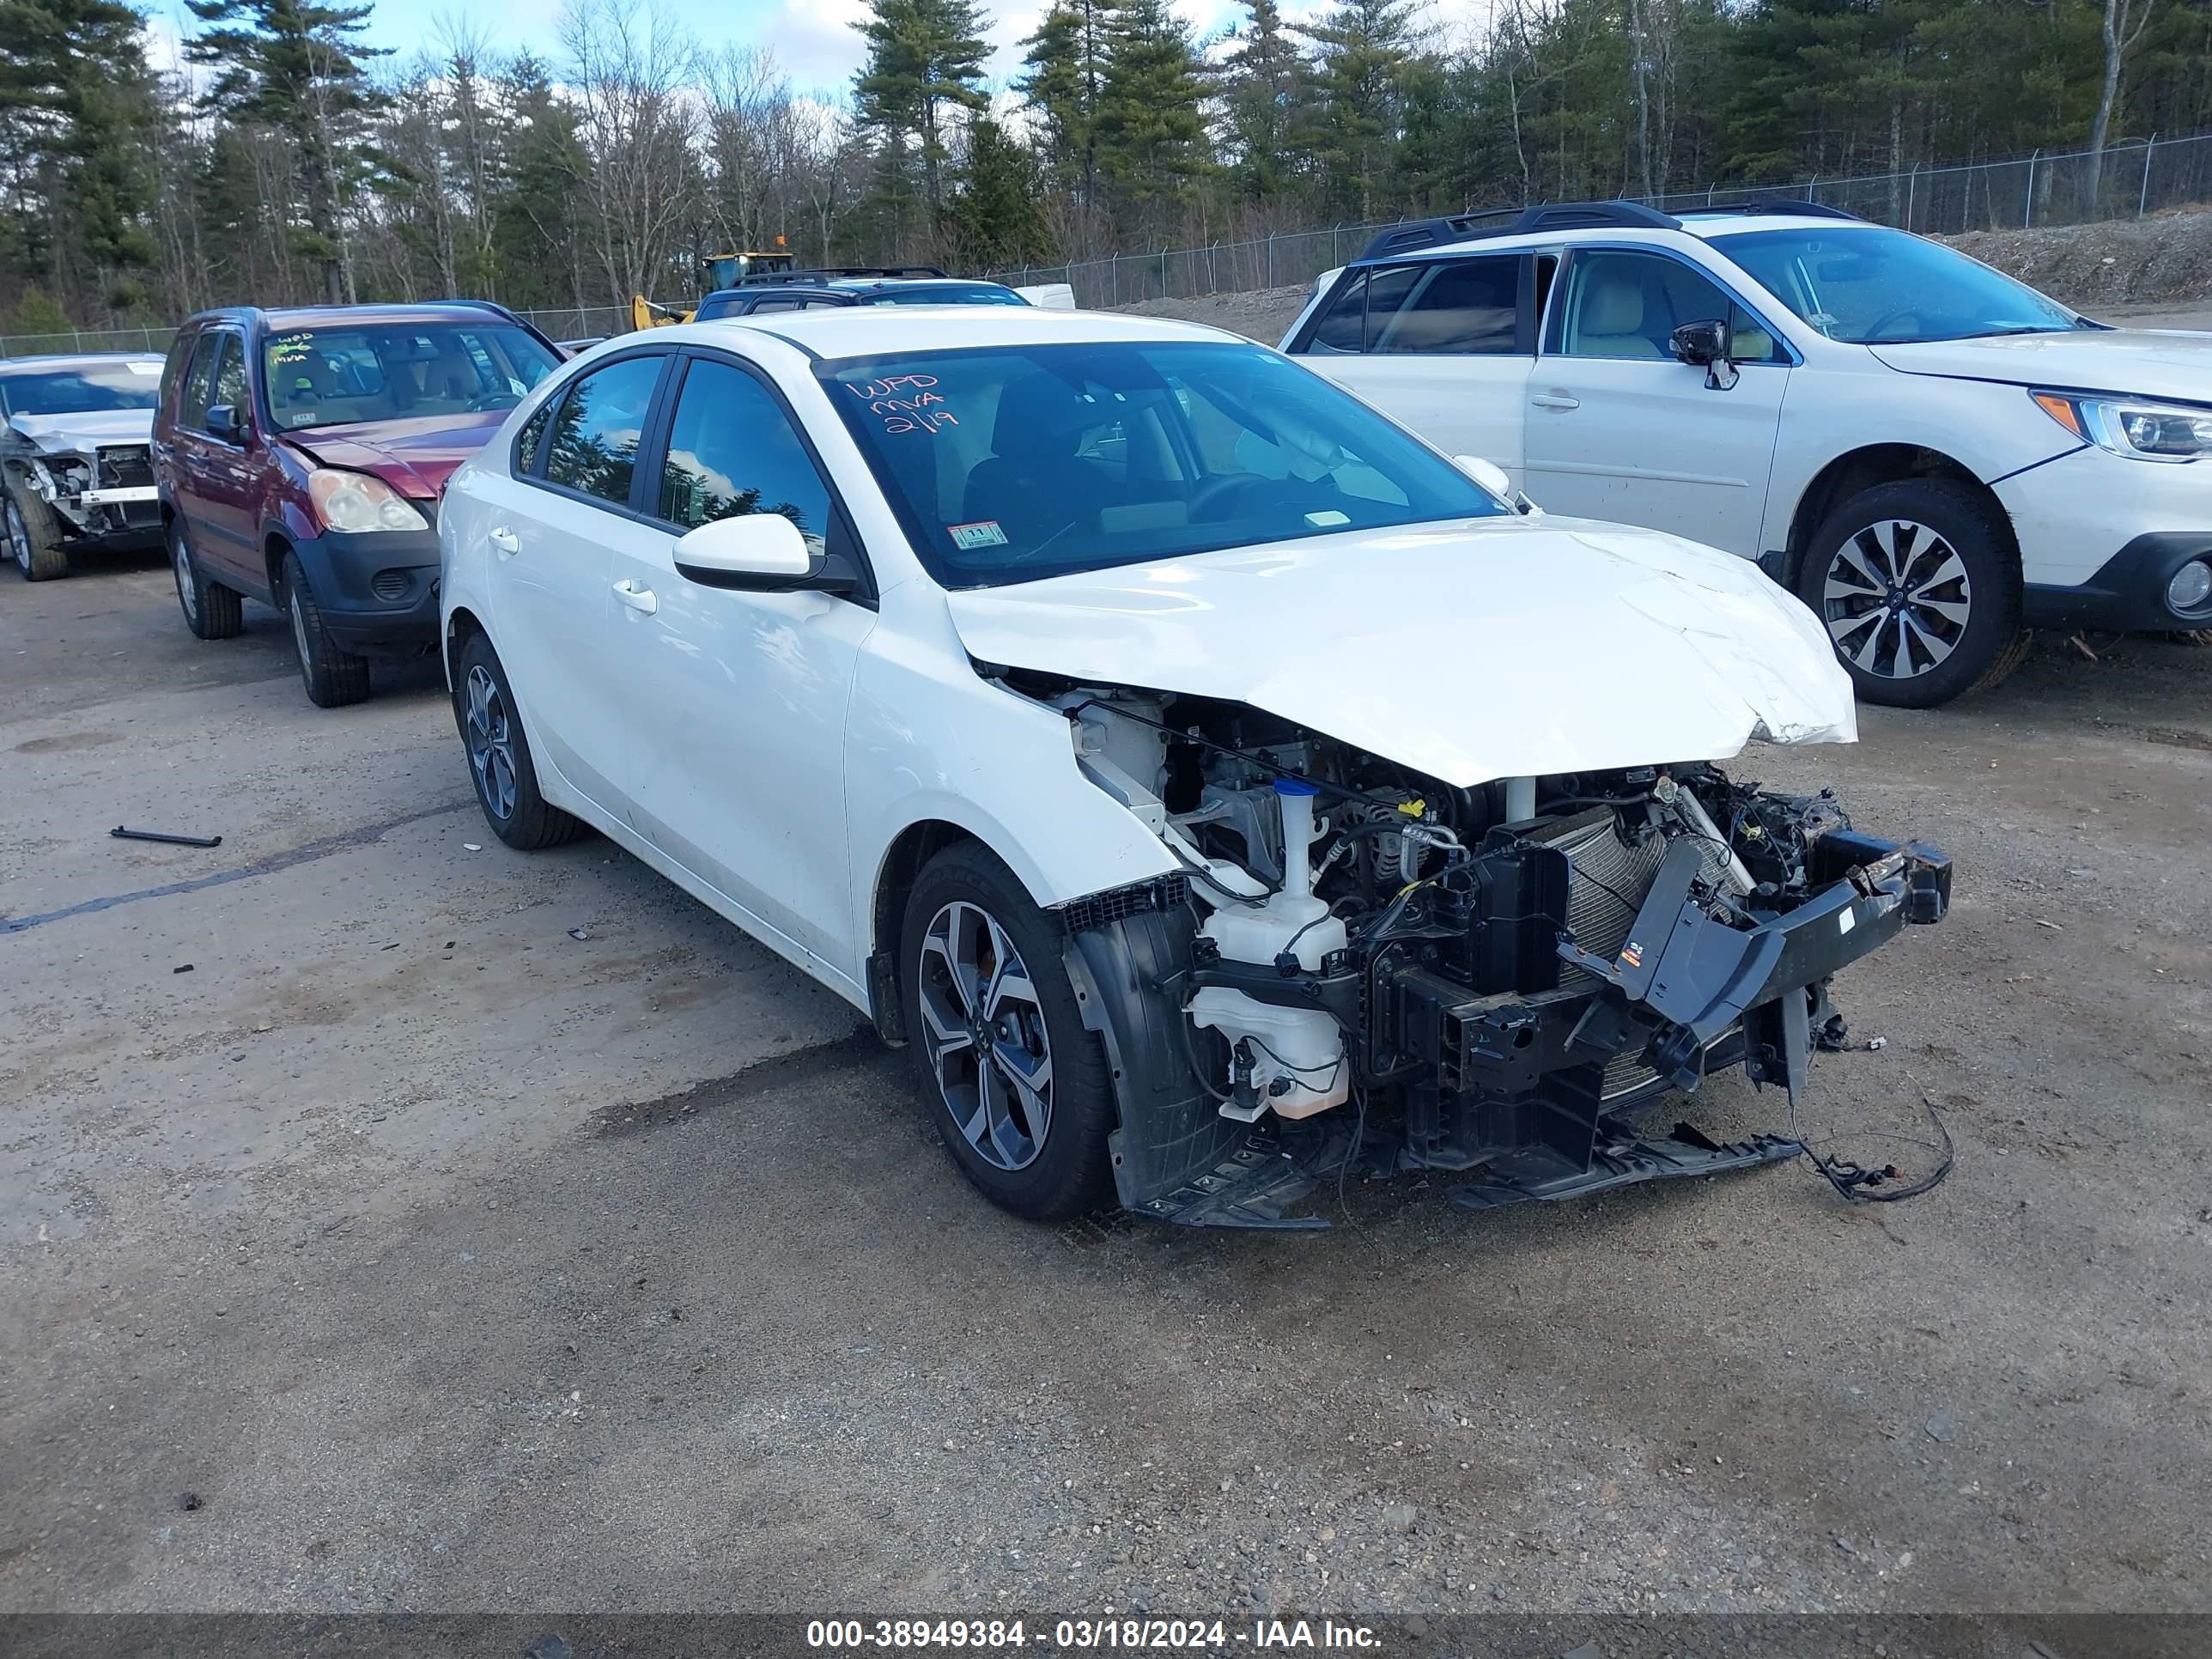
[
  {"x": 492, "y": 400},
  {"x": 1291, "y": 495},
  {"x": 1880, "y": 325}
]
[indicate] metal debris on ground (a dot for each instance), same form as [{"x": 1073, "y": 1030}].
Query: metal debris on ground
[{"x": 122, "y": 834}]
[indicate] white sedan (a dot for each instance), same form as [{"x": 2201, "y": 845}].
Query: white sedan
[{"x": 1204, "y": 776}]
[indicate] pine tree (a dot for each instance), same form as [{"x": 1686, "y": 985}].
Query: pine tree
[
  {"x": 535, "y": 215},
  {"x": 77, "y": 108},
  {"x": 1064, "y": 81},
  {"x": 296, "y": 67},
  {"x": 1361, "y": 51},
  {"x": 1151, "y": 130},
  {"x": 1262, "y": 82},
  {"x": 993, "y": 214},
  {"x": 925, "y": 59}
]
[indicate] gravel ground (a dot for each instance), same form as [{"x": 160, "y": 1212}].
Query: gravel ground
[{"x": 407, "y": 1253}]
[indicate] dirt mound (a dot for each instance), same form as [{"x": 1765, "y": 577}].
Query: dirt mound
[
  {"x": 2162, "y": 259},
  {"x": 1264, "y": 313}
]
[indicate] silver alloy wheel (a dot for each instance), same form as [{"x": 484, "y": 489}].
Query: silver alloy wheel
[
  {"x": 490, "y": 738},
  {"x": 19, "y": 538},
  {"x": 299, "y": 628},
  {"x": 1897, "y": 599},
  {"x": 984, "y": 1031},
  {"x": 181, "y": 561}
]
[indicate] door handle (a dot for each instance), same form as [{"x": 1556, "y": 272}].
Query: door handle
[
  {"x": 1555, "y": 400},
  {"x": 636, "y": 597},
  {"x": 505, "y": 539}
]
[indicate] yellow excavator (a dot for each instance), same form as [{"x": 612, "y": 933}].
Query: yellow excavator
[{"x": 716, "y": 271}]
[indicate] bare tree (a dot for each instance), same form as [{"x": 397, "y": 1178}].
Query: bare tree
[
  {"x": 629, "y": 74},
  {"x": 2123, "y": 24}
]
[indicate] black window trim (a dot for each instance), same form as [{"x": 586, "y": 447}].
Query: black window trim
[
  {"x": 839, "y": 536},
  {"x": 1555, "y": 323},
  {"x": 535, "y": 477}
]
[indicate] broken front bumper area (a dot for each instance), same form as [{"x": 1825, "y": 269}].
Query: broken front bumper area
[{"x": 1523, "y": 1089}]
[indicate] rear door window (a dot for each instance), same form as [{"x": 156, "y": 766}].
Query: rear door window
[
  {"x": 1460, "y": 307},
  {"x": 593, "y": 443}
]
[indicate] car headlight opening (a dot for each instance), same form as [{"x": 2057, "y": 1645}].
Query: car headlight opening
[
  {"x": 353, "y": 502},
  {"x": 2138, "y": 427}
]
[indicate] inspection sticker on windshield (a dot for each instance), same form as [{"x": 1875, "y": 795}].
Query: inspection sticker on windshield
[{"x": 984, "y": 533}]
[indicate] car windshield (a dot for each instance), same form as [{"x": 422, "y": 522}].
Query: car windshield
[
  {"x": 1008, "y": 463},
  {"x": 126, "y": 383},
  {"x": 399, "y": 371},
  {"x": 1868, "y": 286},
  {"x": 946, "y": 294}
]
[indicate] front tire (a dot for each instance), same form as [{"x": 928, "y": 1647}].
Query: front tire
[
  {"x": 212, "y": 611},
  {"x": 1020, "y": 1089},
  {"x": 334, "y": 676},
  {"x": 1917, "y": 583},
  {"x": 498, "y": 751},
  {"x": 34, "y": 537}
]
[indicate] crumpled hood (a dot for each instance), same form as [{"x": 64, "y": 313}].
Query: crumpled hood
[
  {"x": 414, "y": 457},
  {"x": 2151, "y": 362},
  {"x": 86, "y": 429},
  {"x": 1471, "y": 650}
]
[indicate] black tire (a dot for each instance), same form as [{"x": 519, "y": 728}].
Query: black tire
[
  {"x": 1069, "y": 1172},
  {"x": 212, "y": 611},
  {"x": 1951, "y": 637},
  {"x": 33, "y": 535},
  {"x": 334, "y": 676},
  {"x": 517, "y": 813}
]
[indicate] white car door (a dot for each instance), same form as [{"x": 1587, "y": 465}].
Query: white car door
[
  {"x": 1442, "y": 346},
  {"x": 1619, "y": 429},
  {"x": 735, "y": 767},
  {"x": 551, "y": 522}
]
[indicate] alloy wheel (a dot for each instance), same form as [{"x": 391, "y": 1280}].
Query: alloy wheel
[
  {"x": 1897, "y": 599},
  {"x": 490, "y": 738},
  {"x": 19, "y": 539},
  {"x": 984, "y": 1031},
  {"x": 180, "y": 561}
]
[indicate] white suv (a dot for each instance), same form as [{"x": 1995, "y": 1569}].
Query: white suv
[{"x": 1931, "y": 455}]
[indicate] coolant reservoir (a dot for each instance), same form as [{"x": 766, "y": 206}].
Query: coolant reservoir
[{"x": 1299, "y": 1063}]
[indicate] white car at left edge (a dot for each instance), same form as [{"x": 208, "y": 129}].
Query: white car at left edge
[{"x": 1188, "y": 762}]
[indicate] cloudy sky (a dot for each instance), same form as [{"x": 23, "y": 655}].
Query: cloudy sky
[{"x": 813, "y": 40}]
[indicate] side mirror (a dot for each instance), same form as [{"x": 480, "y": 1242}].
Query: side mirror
[
  {"x": 758, "y": 552},
  {"x": 222, "y": 423},
  {"x": 1709, "y": 346},
  {"x": 1494, "y": 479}
]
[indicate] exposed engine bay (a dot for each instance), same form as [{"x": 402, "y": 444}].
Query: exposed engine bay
[
  {"x": 97, "y": 483},
  {"x": 1496, "y": 978}
]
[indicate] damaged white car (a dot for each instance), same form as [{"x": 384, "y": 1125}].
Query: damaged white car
[
  {"x": 75, "y": 457},
  {"x": 1212, "y": 783}
]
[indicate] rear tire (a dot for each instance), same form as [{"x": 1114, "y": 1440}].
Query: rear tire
[
  {"x": 498, "y": 752},
  {"x": 1919, "y": 589},
  {"x": 34, "y": 535},
  {"x": 1020, "y": 1090},
  {"x": 334, "y": 676},
  {"x": 212, "y": 611}
]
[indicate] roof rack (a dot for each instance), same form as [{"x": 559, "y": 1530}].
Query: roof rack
[
  {"x": 1549, "y": 215},
  {"x": 1782, "y": 204},
  {"x": 823, "y": 275}
]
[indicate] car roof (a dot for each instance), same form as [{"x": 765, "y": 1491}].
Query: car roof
[
  {"x": 55, "y": 360},
  {"x": 1704, "y": 224},
  {"x": 842, "y": 332},
  {"x": 421, "y": 311}
]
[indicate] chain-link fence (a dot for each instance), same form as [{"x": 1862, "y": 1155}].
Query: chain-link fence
[{"x": 2127, "y": 181}]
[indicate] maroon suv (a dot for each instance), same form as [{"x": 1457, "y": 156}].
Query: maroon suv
[{"x": 299, "y": 455}]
